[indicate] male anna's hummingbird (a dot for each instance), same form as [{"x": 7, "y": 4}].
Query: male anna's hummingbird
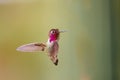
[{"x": 51, "y": 47}]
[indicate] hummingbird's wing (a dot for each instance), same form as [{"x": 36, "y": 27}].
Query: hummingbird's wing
[{"x": 32, "y": 47}]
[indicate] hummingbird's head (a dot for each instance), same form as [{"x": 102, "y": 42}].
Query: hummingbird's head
[{"x": 54, "y": 34}]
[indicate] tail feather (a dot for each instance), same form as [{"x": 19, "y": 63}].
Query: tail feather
[{"x": 56, "y": 62}]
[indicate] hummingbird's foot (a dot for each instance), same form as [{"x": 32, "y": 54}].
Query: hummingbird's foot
[{"x": 56, "y": 62}]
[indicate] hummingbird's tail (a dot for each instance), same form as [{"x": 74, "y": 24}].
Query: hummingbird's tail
[{"x": 56, "y": 62}]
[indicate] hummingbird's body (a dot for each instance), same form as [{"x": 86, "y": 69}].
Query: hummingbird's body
[
  {"x": 51, "y": 46},
  {"x": 52, "y": 51}
]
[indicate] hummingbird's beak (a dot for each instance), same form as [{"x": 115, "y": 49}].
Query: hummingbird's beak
[{"x": 62, "y": 31}]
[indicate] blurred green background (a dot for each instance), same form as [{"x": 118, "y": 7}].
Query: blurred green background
[{"x": 88, "y": 51}]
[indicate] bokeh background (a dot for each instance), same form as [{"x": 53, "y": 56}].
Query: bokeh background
[{"x": 89, "y": 50}]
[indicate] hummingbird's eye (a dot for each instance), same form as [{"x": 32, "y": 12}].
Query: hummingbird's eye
[{"x": 52, "y": 32}]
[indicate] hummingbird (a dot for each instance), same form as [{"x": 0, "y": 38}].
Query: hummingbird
[{"x": 51, "y": 47}]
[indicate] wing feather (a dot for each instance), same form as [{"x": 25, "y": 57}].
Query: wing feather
[{"x": 32, "y": 47}]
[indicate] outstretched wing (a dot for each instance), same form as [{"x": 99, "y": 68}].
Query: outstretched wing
[{"x": 32, "y": 47}]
